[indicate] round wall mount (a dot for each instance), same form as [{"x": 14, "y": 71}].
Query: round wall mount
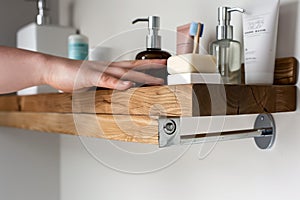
[{"x": 265, "y": 122}]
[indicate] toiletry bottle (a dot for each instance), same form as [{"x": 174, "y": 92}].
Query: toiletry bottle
[
  {"x": 227, "y": 50},
  {"x": 153, "y": 46},
  {"x": 78, "y": 46}
]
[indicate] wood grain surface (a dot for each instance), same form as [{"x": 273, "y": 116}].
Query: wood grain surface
[
  {"x": 243, "y": 99},
  {"x": 157, "y": 100},
  {"x": 286, "y": 71},
  {"x": 140, "y": 129},
  {"x": 180, "y": 100},
  {"x": 9, "y": 103}
]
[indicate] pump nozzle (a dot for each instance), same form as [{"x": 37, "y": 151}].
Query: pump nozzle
[
  {"x": 153, "y": 39},
  {"x": 236, "y": 9},
  {"x": 224, "y": 29},
  {"x": 42, "y": 18},
  {"x": 140, "y": 20}
]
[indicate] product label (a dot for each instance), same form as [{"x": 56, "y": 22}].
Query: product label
[
  {"x": 78, "y": 51},
  {"x": 255, "y": 25}
]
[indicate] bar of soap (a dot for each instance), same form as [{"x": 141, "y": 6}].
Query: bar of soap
[{"x": 191, "y": 63}]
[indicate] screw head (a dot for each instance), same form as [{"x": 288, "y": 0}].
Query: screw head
[{"x": 170, "y": 127}]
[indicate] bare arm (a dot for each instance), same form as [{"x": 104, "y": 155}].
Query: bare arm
[{"x": 20, "y": 69}]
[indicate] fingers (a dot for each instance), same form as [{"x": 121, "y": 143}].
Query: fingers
[
  {"x": 141, "y": 64},
  {"x": 133, "y": 64},
  {"x": 134, "y": 76},
  {"x": 142, "y": 78},
  {"x": 119, "y": 75},
  {"x": 87, "y": 77},
  {"x": 111, "y": 82}
]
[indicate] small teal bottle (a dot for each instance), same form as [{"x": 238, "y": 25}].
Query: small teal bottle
[{"x": 78, "y": 46}]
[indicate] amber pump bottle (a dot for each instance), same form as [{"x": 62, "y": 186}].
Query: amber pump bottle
[{"x": 153, "y": 46}]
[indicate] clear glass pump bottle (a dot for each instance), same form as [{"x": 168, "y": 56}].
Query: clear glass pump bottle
[{"x": 227, "y": 50}]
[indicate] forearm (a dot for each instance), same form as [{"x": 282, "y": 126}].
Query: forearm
[{"x": 20, "y": 69}]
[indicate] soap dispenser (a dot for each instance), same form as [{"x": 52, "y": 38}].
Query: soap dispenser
[
  {"x": 153, "y": 46},
  {"x": 226, "y": 50}
]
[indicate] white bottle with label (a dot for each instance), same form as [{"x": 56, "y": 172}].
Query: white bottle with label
[{"x": 78, "y": 47}]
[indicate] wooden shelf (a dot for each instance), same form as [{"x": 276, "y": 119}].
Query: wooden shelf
[
  {"x": 132, "y": 115},
  {"x": 142, "y": 129},
  {"x": 109, "y": 117},
  {"x": 179, "y": 100}
]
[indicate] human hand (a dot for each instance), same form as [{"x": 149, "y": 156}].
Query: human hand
[
  {"x": 69, "y": 75},
  {"x": 20, "y": 69}
]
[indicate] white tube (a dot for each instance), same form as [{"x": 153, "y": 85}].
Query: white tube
[{"x": 260, "y": 36}]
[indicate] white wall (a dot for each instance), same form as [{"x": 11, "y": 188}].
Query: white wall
[
  {"x": 29, "y": 161},
  {"x": 233, "y": 170},
  {"x": 29, "y": 165}
]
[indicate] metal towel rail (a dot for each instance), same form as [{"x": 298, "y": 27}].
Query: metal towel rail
[{"x": 188, "y": 130}]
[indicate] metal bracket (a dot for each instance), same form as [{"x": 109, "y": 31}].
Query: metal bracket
[
  {"x": 267, "y": 137},
  {"x": 189, "y": 130}
]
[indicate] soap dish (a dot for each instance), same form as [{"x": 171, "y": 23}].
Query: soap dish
[{"x": 193, "y": 78}]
